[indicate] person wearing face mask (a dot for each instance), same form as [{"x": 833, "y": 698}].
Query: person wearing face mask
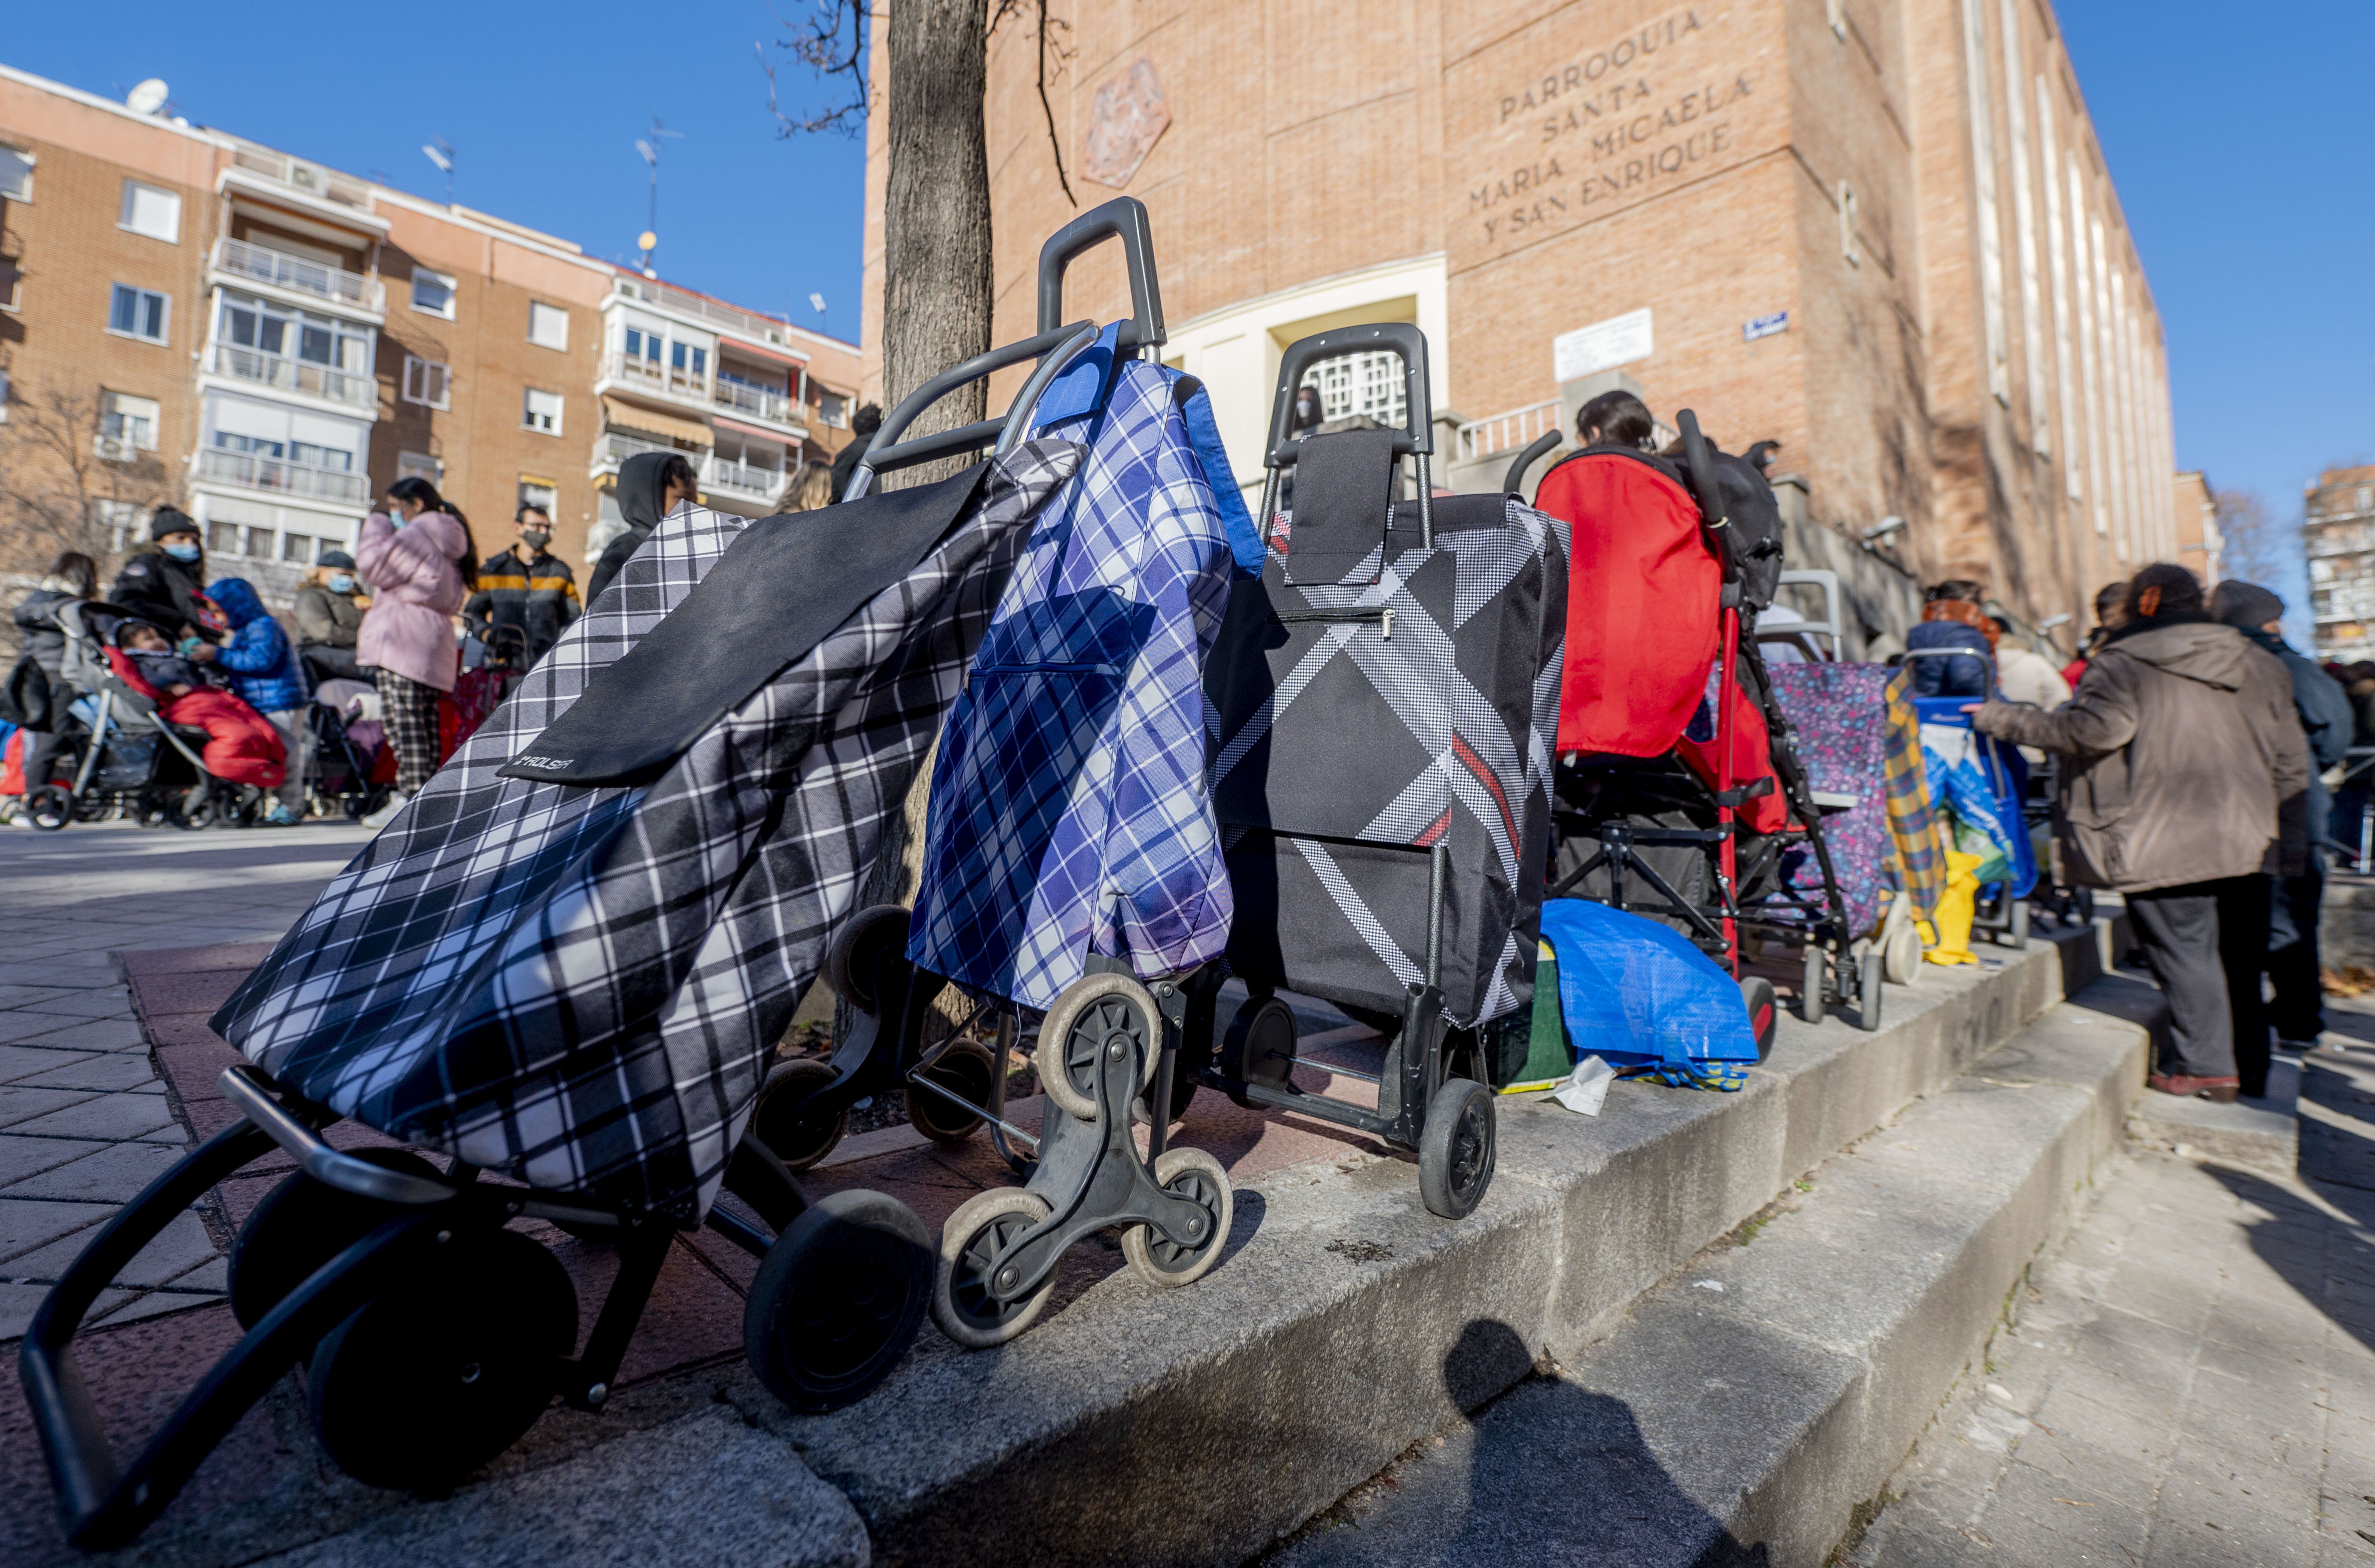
[
  {"x": 524, "y": 586},
  {"x": 422, "y": 567},
  {"x": 167, "y": 583},
  {"x": 329, "y": 615}
]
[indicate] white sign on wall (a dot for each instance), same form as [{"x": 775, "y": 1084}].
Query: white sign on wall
[{"x": 1603, "y": 345}]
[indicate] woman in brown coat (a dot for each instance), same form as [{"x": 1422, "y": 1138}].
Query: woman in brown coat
[{"x": 2187, "y": 786}]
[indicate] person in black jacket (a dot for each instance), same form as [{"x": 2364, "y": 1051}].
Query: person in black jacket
[
  {"x": 2299, "y": 1010},
  {"x": 650, "y": 484},
  {"x": 167, "y": 584},
  {"x": 862, "y": 427},
  {"x": 40, "y": 639},
  {"x": 525, "y": 587}
]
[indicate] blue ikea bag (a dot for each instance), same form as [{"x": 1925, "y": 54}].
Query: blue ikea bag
[{"x": 1640, "y": 996}]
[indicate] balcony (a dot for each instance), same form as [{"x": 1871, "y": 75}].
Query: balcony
[
  {"x": 684, "y": 303},
  {"x": 650, "y": 378},
  {"x": 741, "y": 479},
  {"x": 278, "y": 269},
  {"x": 614, "y": 447},
  {"x": 354, "y": 389},
  {"x": 758, "y": 401},
  {"x": 252, "y": 471}
]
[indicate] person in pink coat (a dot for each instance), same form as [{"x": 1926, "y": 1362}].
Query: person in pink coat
[{"x": 422, "y": 564}]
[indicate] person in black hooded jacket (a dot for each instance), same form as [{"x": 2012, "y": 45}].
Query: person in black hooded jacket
[
  {"x": 650, "y": 484},
  {"x": 167, "y": 584}
]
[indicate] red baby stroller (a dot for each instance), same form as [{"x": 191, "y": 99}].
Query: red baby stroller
[{"x": 1679, "y": 795}]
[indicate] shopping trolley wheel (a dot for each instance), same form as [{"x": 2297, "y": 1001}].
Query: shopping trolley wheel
[
  {"x": 966, "y": 1069},
  {"x": 984, "y": 1225},
  {"x": 1092, "y": 1018},
  {"x": 849, "y": 963},
  {"x": 447, "y": 1367},
  {"x": 1456, "y": 1148},
  {"x": 1764, "y": 1013},
  {"x": 796, "y": 1131},
  {"x": 838, "y": 1300},
  {"x": 1259, "y": 1046},
  {"x": 49, "y": 809},
  {"x": 1868, "y": 1001},
  {"x": 1203, "y": 1181},
  {"x": 300, "y": 1225},
  {"x": 1813, "y": 990}
]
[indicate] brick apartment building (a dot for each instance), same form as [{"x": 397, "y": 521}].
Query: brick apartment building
[
  {"x": 269, "y": 343},
  {"x": 1878, "y": 231},
  {"x": 2338, "y": 533}
]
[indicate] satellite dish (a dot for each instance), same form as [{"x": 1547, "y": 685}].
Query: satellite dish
[{"x": 147, "y": 98}]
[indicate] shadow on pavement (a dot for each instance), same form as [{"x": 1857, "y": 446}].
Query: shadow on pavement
[{"x": 1548, "y": 1473}]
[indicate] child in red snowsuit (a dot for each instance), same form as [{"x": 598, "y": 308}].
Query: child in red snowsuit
[{"x": 242, "y": 746}]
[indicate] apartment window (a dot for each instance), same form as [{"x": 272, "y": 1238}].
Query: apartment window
[
  {"x": 11, "y": 281},
  {"x": 427, "y": 383},
  {"x": 335, "y": 459},
  {"x": 833, "y": 409},
  {"x": 222, "y": 539},
  {"x": 15, "y": 174},
  {"x": 124, "y": 418},
  {"x": 3, "y": 398},
  {"x": 1850, "y": 230},
  {"x": 433, "y": 292},
  {"x": 256, "y": 542},
  {"x": 539, "y": 493},
  {"x": 298, "y": 548},
  {"x": 150, "y": 211},
  {"x": 644, "y": 346},
  {"x": 420, "y": 465},
  {"x": 548, "y": 326},
  {"x": 139, "y": 313},
  {"x": 542, "y": 411},
  {"x": 272, "y": 328},
  {"x": 252, "y": 446},
  {"x": 689, "y": 359},
  {"x": 123, "y": 521}
]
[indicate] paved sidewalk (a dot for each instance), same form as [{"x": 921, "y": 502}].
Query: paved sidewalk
[
  {"x": 85, "y": 1121},
  {"x": 2191, "y": 1380}
]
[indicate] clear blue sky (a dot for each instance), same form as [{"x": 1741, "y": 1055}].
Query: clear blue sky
[
  {"x": 2238, "y": 141},
  {"x": 543, "y": 105}
]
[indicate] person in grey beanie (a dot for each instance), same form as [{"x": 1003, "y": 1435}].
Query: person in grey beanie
[{"x": 2298, "y": 1011}]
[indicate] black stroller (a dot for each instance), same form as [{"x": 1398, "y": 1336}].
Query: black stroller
[
  {"x": 1716, "y": 831},
  {"x": 122, "y": 759},
  {"x": 1384, "y": 698},
  {"x": 525, "y": 972}
]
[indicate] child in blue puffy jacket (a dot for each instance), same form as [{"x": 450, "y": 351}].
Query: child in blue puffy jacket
[{"x": 264, "y": 674}]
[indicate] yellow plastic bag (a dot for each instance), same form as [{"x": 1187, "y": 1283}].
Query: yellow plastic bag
[{"x": 1956, "y": 908}]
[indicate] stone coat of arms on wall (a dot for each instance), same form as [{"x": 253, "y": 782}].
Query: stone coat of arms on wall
[{"x": 1128, "y": 117}]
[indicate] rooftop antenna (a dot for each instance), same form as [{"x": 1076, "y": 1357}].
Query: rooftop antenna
[
  {"x": 650, "y": 148},
  {"x": 816, "y": 303},
  {"x": 436, "y": 150}
]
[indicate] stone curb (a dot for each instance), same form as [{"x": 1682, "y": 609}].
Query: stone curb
[
  {"x": 1201, "y": 1425},
  {"x": 1746, "y": 1407}
]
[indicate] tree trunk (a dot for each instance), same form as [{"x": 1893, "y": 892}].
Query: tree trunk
[{"x": 936, "y": 235}]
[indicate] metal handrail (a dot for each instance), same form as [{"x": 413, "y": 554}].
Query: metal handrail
[
  {"x": 258, "y": 472},
  {"x": 294, "y": 376},
  {"x": 281, "y": 270}
]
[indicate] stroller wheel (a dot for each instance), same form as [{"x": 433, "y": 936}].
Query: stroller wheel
[
  {"x": 795, "y": 1132},
  {"x": 1097, "y": 1016},
  {"x": 1813, "y": 991},
  {"x": 435, "y": 1376},
  {"x": 1456, "y": 1148},
  {"x": 50, "y": 809},
  {"x": 838, "y": 1300},
  {"x": 1868, "y": 998},
  {"x": 983, "y": 1226},
  {"x": 965, "y": 1069},
  {"x": 194, "y": 809},
  {"x": 300, "y": 1225},
  {"x": 850, "y": 962},
  {"x": 1764, "y": 1014},
  {"x": 1202, "y": 1180},
  {"x": 1901, "y": 954}
]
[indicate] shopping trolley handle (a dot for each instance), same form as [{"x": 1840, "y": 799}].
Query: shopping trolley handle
[
  {"x": 1123, "y": 219},
  {"x": 886, "y": 451},
  {"x": 1417, "y": 434}
]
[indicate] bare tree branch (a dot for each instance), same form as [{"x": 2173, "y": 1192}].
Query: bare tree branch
[
  {"x": 56, "y": 492},
  {"x": 1046, "y": 46},
  {"x": 832, "y": 44}
]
